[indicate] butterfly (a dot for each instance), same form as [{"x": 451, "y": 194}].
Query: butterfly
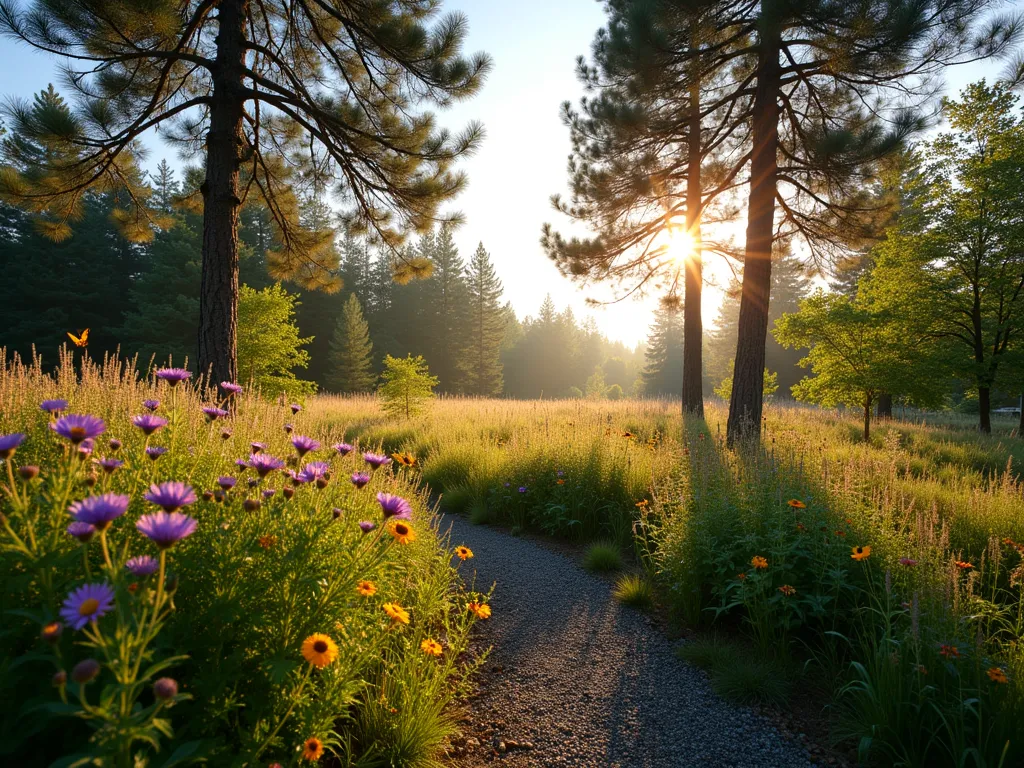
[{"x": 80, "y": 341}]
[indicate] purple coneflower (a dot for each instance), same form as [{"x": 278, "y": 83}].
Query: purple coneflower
[
  {"x": 142, "y": 566},
  {"x": 394, "y": 506},
  {"x": 343, "y": 449},
  {"x": 264, "y": 463},
  {"x": 231, "y": 388},
  {"x": 87, "y": 603},
  {"x": 226, "y": 482},
  {"x": 78, "y": 427},
  {"x": 376, "y": 460},
  {"x": 304, "y": 445},
  {"x": 81, "y": 531},
  {"x": 174, "y": 376},
  {"x": 9, "y": 444},
  {"x": 109, "y": 465},
  {"x": 171, "y": 496},
  {"x": 257, "y": 447},
  {"x": 100, "y": 511},
  {"x": 151, "y": 405},
  {"x": 295, "y": 408},
  {"x": 212, "y": 413},
  {"x": 366, "y": 526},
  {"x": 155, "y": 452},
  {"x": 165, "y": 529},
  {"x": 360, "y": 479},
  {"x": 53, "y": 406}
]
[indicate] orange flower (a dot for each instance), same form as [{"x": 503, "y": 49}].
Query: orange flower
[
  {"x": 480, "y": 610},
  {"x": 642, "y": 503},
  {"x": 397, "y": 613},
  {"x": 949, "y": 652},
  {"x": 741, "y": 576},
  {"x": 268, "y": 541},
  {"x": 559, "y": 481},
  {"x": 312, "y": 749},
  {"x": 840, "y": 533},
  {"x": 366, "y": 588},
  {"x": 787, "y": 590},
  {"x": 963, "y": 565},
  {"x": 401, "y": 531},
  {"x": 405, "y": 459},
  {"x": 796, "y": 504},
  {"x": 996, "y": 675},
  {"x": 463, "y": 553},
  {"x": 759, "y": 562},
  {"x": 319, "y": 650},
  {"x": 860, "y": 553},
  {"x": 431, "y": 647}
]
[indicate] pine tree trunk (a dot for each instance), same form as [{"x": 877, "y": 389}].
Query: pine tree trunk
[
  {"x": 218, "y": 297},
  {"x": 693, "y": 330},
  {"x": 748, "y": 377},
  {"x": 867, "y": 420},
  {"x": 985, "y": 410},
  {"x": 885, "y": 406}
]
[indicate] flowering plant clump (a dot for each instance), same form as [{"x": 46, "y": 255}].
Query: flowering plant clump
[{"x": 136, "y": 586}]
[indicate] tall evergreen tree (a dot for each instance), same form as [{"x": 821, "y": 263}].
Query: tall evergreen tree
[
  {"x": 351, "y": 360},
  {"x": 271, "y": 95},
  {"x": 485, "y": 330},
  {"x": 663, "y": 370},
  {"x": 166, "y": 188},
  {"x": 448, "y": 305}
]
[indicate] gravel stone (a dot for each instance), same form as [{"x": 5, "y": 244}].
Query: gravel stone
[{"x": 588, "y": 682}]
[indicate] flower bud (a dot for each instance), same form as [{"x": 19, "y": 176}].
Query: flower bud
[
  {"x": 335, "y": 513},
  {"x": 29, "y": 472},
  {"x": 321, "y": 482},
  {"x": 91, "y": 480},
  {"x": 60, "y": 678},
  {"x": 85, "y": 671},
  {"x": 288, "y": 492},
  {"x": 218, "y": 496},
  {"x": 225, "y": 434},
  {"x": 115, "y": 444},
  {"x": 165, "y": 688},
  {"x": 207, "y": 495},
  {"x": 51, "y": 632},
  {"x": 251, "y": 505},
  {"x": 253, "y": 482}
]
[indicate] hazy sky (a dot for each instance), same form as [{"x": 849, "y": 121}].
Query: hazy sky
[{"x": 534, "y": 44}]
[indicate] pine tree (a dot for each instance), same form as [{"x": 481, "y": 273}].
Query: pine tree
[
  {"x": 165, "y": 188},
  {"x": 351, "y": 360},
  {"x": 663, "y": 372},
  {"x": 272, "y": 96},
  {"x": 448, "y": 316},
  {"x": 485, "y": 330}
]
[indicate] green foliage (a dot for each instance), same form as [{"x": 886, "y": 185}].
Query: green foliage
[
  {"x": 351, "y": 351},
  {"x": 737, "y": 674},
  {"x": 481, "y": 364},
  {"x": 635, "y": 591},
  {"x": 269, "y": 345},
  {"x": 595, "y": 388},
  {"x": 663, "y": 367},
  {"x": 614, "y": 392},
  {"x": 602, "y": 557},
  {"x": 771, "y": 384},
  {"x": 406, "y": 386}
]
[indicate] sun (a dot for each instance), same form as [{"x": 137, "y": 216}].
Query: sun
[{"x": 680, "y": 245}]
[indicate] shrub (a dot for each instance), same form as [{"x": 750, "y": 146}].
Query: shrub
[
  {"x": 634, "y": 590},
  {"x": 458, "y": 499},
  {"x": 602, "y": 557},
  {"x": 614, "y": 392}
]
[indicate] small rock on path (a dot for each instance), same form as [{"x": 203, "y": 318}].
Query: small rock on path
[{"x": 587, "y": 682}]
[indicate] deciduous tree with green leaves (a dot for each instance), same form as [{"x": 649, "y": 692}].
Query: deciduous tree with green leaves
[
  {"x": 269, "y": 345},
  {"x": 407, "y": 385},
  {"x": 351, "y": 359}
]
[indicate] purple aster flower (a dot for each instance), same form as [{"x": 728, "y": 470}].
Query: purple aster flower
[
  {"x": 82, "y": 531},
  {"x": 171, "y": 496},
  {"x": 85, "y": 448},
  {"x": 166, "y": 529},
  {"x": 304, "y": 445},
  {"x": 151, "y": 405},
  {"x": 142, "y": 566},
  {"x": 264, "y": 463},
  {"x": 343, "y": 448},
  {"x": 242, "y": 463},
  {"x": 53, "y": 406},
  {"x": 165, "y": 688},
  {"x": 560, "y": 473},
  {"x": 155, "y": 452},
  {"x": 268, "y": 493},
  {"x": 100, "y": 511},
  {"x": 212, "y": 414},
  {"x": 359, "y": 479},
  {"x": 522, "y": 489},
  {"x": 257, "y": 447},
  {"x": 227, "y": 482},
  {"x": 295, "y": 408},
  {"x": 231, "y": 388},
  {"x": 10, "y": 443},
  {"x": 87, "y": 603},
  {"x": 149, "y": 423},
  {"x": 394, "y": 506},
  {"x": 173, "y": 376},
  {"x": 109, "y": 465},
  {"x": 315, "y": 470},
  {"x": 366, "y": 526},
  {"x": 296, "y": 478},
  {"x": 77, "y": 427},
  {"x": 376, "y": 460}
]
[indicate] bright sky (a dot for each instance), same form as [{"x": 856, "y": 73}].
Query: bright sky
[{"x": 534, "y": 44}]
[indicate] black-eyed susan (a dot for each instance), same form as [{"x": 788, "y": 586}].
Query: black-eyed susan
[
  {"x": 760, "y": 563},
  {"x": 396, "y": 613},
  {"x": 431, "y": 647},
  {"x": 319, "y": 650},
  {"x": 405, "y": 459},
  {"x": 787, "y": 590},
  {"x": 996, "y": 675},
  {"x": 366, "y": 588},
  {"x": 796, "y": 504},
  {"x": 480, "y": 610},
  {"x": 312, "y": 749},
  {"x": 401, "y": 531},
  {"x": 463, "y": 552},
  {"x": 860, "y": 553}
]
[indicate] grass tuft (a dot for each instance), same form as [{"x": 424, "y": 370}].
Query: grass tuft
[
  {"x": 736, "y": 673},
  {"x": 480, "y": 513},
  {"x": 602, "y": 557},
  {"x": 634, "y": 590}
]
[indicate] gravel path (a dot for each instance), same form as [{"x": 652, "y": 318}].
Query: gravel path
[{"x": 589, "y": 682}]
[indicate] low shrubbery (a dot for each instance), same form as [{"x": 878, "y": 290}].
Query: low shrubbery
[{"x": 205, "y": 599}]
